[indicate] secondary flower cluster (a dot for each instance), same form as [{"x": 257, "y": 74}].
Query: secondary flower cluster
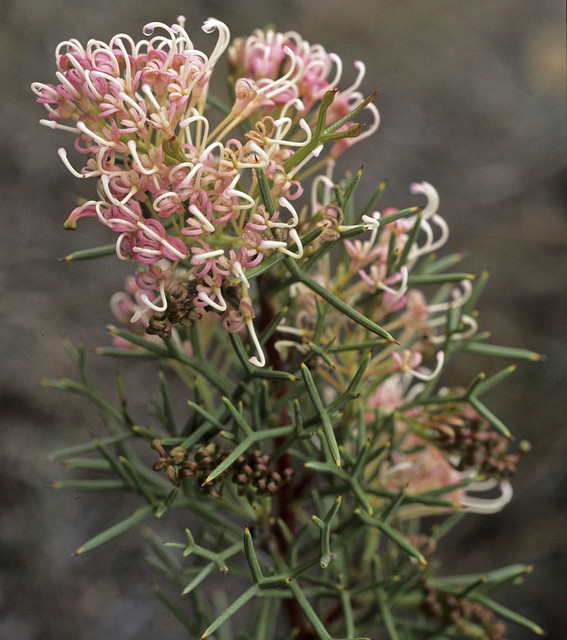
[
  {"x": 445, "y": 446},
  {"x": 182, "y": 196}
]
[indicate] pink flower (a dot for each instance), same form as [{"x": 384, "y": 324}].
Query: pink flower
[
  {"x": 422, "y": 468},
  {"x": 179, "y": 194},
  {"x": 282, "y": 70}
]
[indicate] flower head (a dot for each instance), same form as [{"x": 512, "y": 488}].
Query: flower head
[
  {"x": 180, "y": 196},
  {"x": 285, "y": 74}
]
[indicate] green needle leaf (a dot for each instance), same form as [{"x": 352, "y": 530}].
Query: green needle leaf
[
  {"x": 88, "y": 254},
  {"x": 227, "y": 462},
  {"x": 392, "y": 534},
  {"x": 438, "y": 278},
  {"x": 91, "y": 485},
  {"x": 369, "y": 206},
  {"x": 88, "y": 447},
  {"x": 488, "y": 383},
  {"x": 494, "y": 420},
  {"x": 231, "y": 610},
  {"x": 265, "y": 190},
  {"x": 336, "y": 302},
  {"x": 507, "y": 614},
  {"x": 309, "y": 612},
  {"x": 251, "y": 557},
  {"x": 503, "y": 352},
  {"x": 238, "y": 417},
  {"x": 387, "y": 616},
  {"x": 349, "y": 116},
  {"x": 325, "y": 419},
  {"x": 136, "y": 518},
  {"x": 392, "y": 217},
  {"x": 325, "y": 527}
]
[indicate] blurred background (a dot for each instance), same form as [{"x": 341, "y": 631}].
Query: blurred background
[{"x": 472, "y": 99}]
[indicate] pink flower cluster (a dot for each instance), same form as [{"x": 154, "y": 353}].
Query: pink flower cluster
[
  {"x": 370, "y": 274},
  {"x": 276, "y": 69},
  {"x": 372, "y": 281},
  {"x": 475, "y": 476},
  {"x": 182, "y": 197}
]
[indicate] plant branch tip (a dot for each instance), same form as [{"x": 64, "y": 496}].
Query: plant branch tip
[{"x": 244, "y": 225}]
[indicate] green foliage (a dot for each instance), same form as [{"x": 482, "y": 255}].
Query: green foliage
[
  {"x": 280, "y": 471},
  {"x": 304, "y": 471}
]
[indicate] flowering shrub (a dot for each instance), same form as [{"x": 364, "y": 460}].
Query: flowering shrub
[{"x": 311, "y": 333}]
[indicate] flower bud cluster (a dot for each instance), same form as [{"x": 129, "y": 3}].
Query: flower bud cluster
[
  {"x": 469, "y": 442},
  {"x": 450, "y": 444},
  {"x": 180, "y": 308},
  {"x": 249, "y": 473},
  {"x": 472, "y": 619}
]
